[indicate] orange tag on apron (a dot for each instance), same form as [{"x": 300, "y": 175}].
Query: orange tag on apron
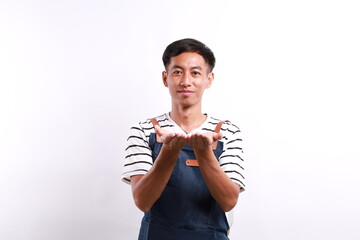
[{"x": 192, "y": 163}]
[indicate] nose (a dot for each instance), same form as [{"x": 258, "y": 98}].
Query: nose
[{"x": 186, "y": 80}]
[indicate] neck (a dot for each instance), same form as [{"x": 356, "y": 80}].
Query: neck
[{"x": 187, "y": 118}]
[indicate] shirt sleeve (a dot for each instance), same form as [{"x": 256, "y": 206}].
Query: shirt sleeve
[
  {"x": 138, "y": 154},
  {"x": 232, "y": 159}
]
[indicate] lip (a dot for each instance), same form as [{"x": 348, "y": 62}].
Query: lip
[{"x": 186, "y": 92}]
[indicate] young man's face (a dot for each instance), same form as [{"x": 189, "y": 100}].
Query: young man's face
[{"x": 187, "y": 76}]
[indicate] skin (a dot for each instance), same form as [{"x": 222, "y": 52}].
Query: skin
[{"x": 187, "y": 76}]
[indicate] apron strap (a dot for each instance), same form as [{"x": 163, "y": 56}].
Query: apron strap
[
  {"x": 217, "y": 130},
  {"x": 155, "y": 123}
]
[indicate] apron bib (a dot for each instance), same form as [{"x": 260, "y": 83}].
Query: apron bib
[{"x": 185, "y": 210}]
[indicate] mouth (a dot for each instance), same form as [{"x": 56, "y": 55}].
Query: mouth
[{"x": 186, "y": 92}]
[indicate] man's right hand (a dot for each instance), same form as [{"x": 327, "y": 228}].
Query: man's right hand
[
  {"x": 149, "y": 187},
  {"x": 171, "y": 141}
]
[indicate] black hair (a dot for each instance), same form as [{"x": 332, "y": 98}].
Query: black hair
[{"x": 189, "y": 45}]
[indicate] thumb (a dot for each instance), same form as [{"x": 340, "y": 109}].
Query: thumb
[
  {"x": 159, "y": 133},
  {"x": 218, "y": 136},
  {"x": 158, "y": 130}
]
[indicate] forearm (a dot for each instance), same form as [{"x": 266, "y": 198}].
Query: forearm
[
  {"x": 149, "y": 187},
  {"x": 221, "y": 187}
]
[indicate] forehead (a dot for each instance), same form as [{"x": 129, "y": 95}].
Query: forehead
[{"x": 188, "y": 60}]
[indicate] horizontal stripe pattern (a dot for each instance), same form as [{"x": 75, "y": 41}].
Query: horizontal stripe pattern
[
  {"x": 232, "y": 159},
  {"x": 138, "y": 158}
]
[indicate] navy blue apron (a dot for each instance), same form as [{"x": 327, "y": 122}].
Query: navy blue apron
[{"x": 185, "y": 210}]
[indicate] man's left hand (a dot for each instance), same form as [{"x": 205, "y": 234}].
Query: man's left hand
[{"x": 201, "y": 141}]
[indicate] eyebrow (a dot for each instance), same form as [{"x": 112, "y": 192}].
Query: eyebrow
[{"x": 177, "y": 66}]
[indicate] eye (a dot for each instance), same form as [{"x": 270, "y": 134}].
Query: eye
[
  {"x": 177, "y": 72},
  {"x": 196, "y": 73}
]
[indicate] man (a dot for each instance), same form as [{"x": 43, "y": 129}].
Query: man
[{"x": 185, "y": 167}]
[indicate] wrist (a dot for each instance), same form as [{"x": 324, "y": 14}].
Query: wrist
[
  {"x": 169, "y": 149},
  {"x": 203, "y": 152}
]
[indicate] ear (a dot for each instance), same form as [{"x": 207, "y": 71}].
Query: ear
[
  {"x": 164, "y": 78},
  {"x": 210, "y": 79}
]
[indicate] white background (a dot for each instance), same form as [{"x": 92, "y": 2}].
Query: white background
[{"x": 76, "y": 74}]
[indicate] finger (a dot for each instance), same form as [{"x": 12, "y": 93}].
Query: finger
[
  {"x": 198, "y": 140},
  {"x": 217, "y": 136},
  {"x": 159, "y": 133},
  {"x": 167, "y": 138},
  {"x": 157, "y": 129},
  {"x": 202, "y": 140},
  {"x": 183, "y": 140},
  {"x": 207, "y": 139},
  {"x": 192, "y": 140},
  {"x": 174, "y": 140}
]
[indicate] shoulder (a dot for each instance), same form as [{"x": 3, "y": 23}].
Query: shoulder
[
  {"x": 164, "y": 121},
  {"x": 229, "y": 130},
  {"x": 147, "y": 127},
  {"x": 227, "y": 126}
]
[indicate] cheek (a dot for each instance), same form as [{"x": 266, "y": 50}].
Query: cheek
[
  {"x": 208, "y": 84},
  {"x": 205, "y": 84},
  {"x": 171, "y": 85}
]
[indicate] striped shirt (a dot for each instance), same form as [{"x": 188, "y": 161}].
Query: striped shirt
[{"x": 138, "y": 159}]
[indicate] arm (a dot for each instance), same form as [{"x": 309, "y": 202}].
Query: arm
[
  {"x": 149, "y": 187},
  {"x": 221, "y": 187}
]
